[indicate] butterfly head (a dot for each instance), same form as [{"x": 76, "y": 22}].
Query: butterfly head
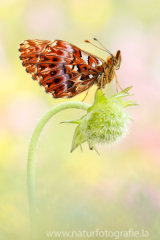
[{"x": 117, "y": 60}]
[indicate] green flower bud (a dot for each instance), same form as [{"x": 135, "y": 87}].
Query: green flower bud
[{"x": 106, "y": 121}]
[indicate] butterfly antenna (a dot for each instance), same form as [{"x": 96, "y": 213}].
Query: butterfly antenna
[
  {"x": 98, "y": 47},
  {"x": 103, "y": 46}
]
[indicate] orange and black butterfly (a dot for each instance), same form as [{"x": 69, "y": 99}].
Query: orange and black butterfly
[{"x": 65, "y": 70}]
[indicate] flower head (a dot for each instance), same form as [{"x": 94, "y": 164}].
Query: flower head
[{"x": 106, "y": 121}]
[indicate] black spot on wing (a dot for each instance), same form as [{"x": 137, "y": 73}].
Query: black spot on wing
[
  {"x": 44, "y": 59},
  {"x": 85, "y": 68},
  {"x": 53, "y": 73},
  {"x": 55, "y": 59},
  {"x": 52, "y": 65},
  {"x": 57, "y": 80},
  {"x": 70, "y": 84},
  {"x": 41, "y": 67}
]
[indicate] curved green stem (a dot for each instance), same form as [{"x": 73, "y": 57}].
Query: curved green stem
[{"x": 32, "y": 150}]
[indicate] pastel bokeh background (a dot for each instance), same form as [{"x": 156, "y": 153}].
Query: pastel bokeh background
[{"x": 118, "y": 191}]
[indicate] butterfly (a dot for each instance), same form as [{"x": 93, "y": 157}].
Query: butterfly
[{"x": 65, "y": 70}]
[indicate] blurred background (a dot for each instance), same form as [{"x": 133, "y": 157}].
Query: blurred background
[{"x": 116, "y": 191}]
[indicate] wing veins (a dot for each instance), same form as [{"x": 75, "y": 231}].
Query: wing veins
[
  {"x": 78, "y": 74},
  {"x": 73, "y": 87}
]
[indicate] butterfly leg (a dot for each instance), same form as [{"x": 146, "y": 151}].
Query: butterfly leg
[
  {"x": 85, "y": 95},
  {"x": 102, "y": 82},
  {"x": 117, "y": 84},
  {"x": 99, "y": 82}
]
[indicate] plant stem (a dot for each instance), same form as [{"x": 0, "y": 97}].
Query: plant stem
[{"x": 31, "y": 155}]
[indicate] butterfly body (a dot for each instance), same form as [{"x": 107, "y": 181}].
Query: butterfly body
[{"x": 65, "y": 70}]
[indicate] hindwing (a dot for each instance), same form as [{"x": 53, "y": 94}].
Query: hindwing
[{"x": 63, "y": 69}]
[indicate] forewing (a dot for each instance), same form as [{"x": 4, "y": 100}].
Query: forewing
[{"x": 61, "y": 68}]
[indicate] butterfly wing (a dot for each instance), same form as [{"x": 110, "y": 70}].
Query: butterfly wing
[
  {"x": 63, "y": 69},
  {"x": 30, "y": 51}
]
